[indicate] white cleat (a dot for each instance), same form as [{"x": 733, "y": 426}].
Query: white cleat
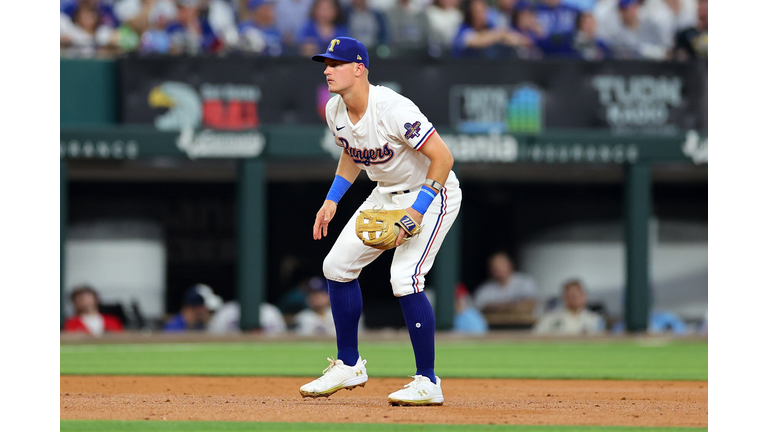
[
  {"x": 335, "y": 377},
  {"x": 420, "y": 392}
]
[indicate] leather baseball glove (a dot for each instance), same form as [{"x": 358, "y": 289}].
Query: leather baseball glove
[{"x": 379, "y": 228}]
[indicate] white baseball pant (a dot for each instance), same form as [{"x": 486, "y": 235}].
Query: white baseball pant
[{"x": 412, "y": 260}]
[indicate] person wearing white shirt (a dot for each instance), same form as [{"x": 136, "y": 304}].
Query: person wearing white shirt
[
  {"x": 670, "y": 15},
  {"x": 634, "y": 36},
  {"x": 575, "y": 318},
  {"x": 444, "y": 19},
  {"x": 227, "y": 319},
  {"x": 505, "y": 286}
]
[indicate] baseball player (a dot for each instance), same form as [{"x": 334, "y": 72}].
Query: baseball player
[{"x": 386, "y": 135}]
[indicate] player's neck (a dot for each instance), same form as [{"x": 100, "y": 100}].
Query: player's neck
[{"x": 356, "y": 101}]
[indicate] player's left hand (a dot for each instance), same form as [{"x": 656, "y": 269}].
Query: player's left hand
[{"x": 416, "y": 216}]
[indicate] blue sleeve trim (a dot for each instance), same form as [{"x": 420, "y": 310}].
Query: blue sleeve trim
[{"x": 338, "y": 189}]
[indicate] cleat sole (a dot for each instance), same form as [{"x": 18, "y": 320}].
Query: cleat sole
[
  {"x": 328, "y": 394},
  {"x": 413, "y": 403}
]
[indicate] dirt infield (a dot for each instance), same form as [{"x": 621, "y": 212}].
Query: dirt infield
[{"x": 468, "y": 401}]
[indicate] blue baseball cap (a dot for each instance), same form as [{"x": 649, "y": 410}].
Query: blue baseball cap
[
  {"x": 623, "y": 4},
  {"x": 344, "y": 49},
  {"x": 193, "y": 298}
]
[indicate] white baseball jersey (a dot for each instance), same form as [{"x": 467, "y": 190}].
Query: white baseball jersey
[{"x": 377, "y": 143}]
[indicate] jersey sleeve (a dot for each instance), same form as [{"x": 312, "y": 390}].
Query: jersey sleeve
[{"x": 406, "y": 123}]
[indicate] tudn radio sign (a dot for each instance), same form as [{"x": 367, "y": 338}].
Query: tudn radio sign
[{"x": 639, "y": 103}]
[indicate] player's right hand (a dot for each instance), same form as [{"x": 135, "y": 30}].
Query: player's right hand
[{"x": 324, "y": 216}]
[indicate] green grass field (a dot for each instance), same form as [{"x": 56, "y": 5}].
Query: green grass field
[
  {"x": 604, "y": 359},
  {"x": 190, "y": 426},
  {"x": 677, "y": 360}
]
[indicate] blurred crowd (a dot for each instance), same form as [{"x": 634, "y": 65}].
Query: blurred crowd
[
  {"x": 304, "y": 310},
  {"x": 530, "y": 29},
  {"x": 508, "y": 299}
]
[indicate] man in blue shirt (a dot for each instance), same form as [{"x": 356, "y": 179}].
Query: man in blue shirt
[
  {"x": 260, "y": 34},
  {"x": 106, "y": 13},
  {"x": 194, "y": 314},
  {"x": 558, "y": 22},
  {"x": 191, "y": 32}
]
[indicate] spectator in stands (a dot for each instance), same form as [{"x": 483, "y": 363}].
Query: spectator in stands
[
  {"x": 476, "y": 37},
  {"x": 194, "y": 314},
  {"x": 139, "y": 16},
  {"x": 366, "y": 24},
  {"x": 222, "y": 18},
  {"x": 317, "y": 319},
  {"x": 558, "y": 24},
  {"x": 506, "y": 286},
  {"x": 634, "y": 37},
  {"x": 191, "y": 33},
  {"x": 606, "y": 13},
  {"x": 466, "y": 318},
  {"x": 408, "y": 28},
  {"x": 225, "y": 317},
  {"x": 88, "y": 32},
  {"x": 671, "y": 16},
  {"x": 87, "y": 317},
  {"x": 326, "y": 22},
  {"x": 291, "y": 15},
  {"x": 524, "y": 22},
  {"x": 156, "y": 40},
  {"x": 575, "y": 318},
  {"x": 500, "y": 16},
  {"x": 104, "y": 10},
  {"x": 443, "y": 19},
  {"x": 693, "y": 42},
  {"x": 586, "y": 42},
  {"x": 259, "y": 34},
  {"x": 661, "y": 322}
]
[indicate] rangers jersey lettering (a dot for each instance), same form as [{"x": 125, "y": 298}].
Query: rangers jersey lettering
[{"x": 384, "y": 140}]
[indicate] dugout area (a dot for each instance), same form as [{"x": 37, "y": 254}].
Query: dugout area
[{"x": 195, "y": 205}]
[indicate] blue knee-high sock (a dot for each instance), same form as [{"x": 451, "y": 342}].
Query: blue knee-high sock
[
  {"x": 420, "y": 320},
  {"x": 346, "y": 307}
]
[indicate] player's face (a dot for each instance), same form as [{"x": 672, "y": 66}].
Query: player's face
[{"x": 339, "y": 75}]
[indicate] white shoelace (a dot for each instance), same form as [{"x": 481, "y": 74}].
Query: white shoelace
[
  {"x": 330, "y": 366},
  {"x": 416, "y": 379}
]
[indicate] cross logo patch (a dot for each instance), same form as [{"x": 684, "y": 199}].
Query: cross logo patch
[
  {"x": 423, "y": 393},
  {"x": 412, "y": 130},
  {"x": 358, "y": 373}
]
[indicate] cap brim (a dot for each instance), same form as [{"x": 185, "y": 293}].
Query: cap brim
[{"x": 321, "y": 58}]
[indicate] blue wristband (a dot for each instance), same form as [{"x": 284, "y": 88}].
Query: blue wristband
[
  {"x": 338, "y": 189},
  {"x": 423, "y": 201}
]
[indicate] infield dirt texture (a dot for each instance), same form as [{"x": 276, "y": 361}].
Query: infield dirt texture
[{"x": 121, "y": 390}]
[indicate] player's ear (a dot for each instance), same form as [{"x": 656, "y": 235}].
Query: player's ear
[{"x": 359, "y": 70}]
